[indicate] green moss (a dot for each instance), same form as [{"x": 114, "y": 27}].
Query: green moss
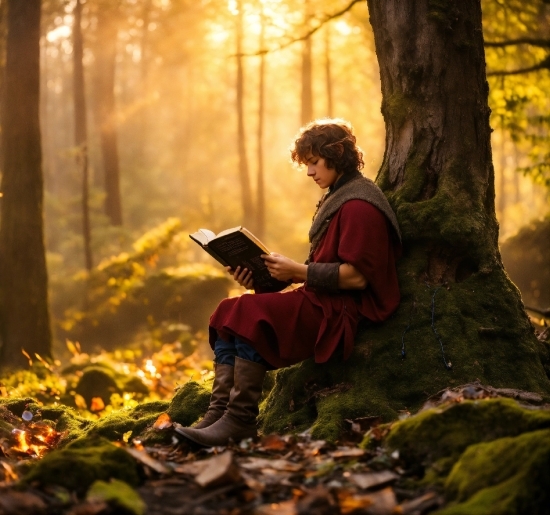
[
  {"x": 77, "y": 466},
  {"x": 396, "y": 107},
  {"x": 504, "y": 477},
  {"x": 72, "y": 425},
  {"x": 137, "y": 420},
  {"x": 190, "y": 402},
  {"x": 97, "y": 382},
  {"x": 438, "y": 433},
  {"x": 119, "y": 495}
]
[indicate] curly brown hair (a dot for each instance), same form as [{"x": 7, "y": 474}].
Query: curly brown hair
[{"x": 333, "y": 140}]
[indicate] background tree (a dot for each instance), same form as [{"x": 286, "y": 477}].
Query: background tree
[
  {"x": 107, "y": 16},
  {"x": 24, "y": 319},
  {"x": 461, "y": 319},
  {"x": 244, "y": 176},
  {"x": 80, "y": 128}
]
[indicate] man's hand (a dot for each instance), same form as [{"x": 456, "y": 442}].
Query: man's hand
[
  {"x": 242, "y": 276},
  {"x": 283, "y": 268}
]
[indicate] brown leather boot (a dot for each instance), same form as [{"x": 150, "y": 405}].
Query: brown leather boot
[
  {"x": 239, "y": 420},
  {"x": 223, "y": 382}
]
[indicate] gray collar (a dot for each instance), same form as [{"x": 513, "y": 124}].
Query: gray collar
[{"x": 358, "y": 188}]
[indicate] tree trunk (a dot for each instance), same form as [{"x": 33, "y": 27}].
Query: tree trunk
[
  {"x": 80, "y": 130},
  {"x": 307, "y": 87},
  {"x": 105, "y": 97},
  {"x": 460, "y": 319},
  {"x": 246, "y": 195},
  {"x": 23, "y": 277},
  {"x": 328, "y": 72},
  {"x": 260, "y": 186}
]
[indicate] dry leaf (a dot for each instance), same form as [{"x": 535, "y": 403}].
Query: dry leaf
[
  {"x": 221, "y": 470},
  {"x": 151, "y": 462},
  {"x": 192, "y": 468},
  {"x": 163, "y": 422},
  {"x": 347, "y": 452},
  {"x": 97, "y": 404},
  {"x": 265, "y": 463},
  {"x": 382, "y": 502},
  {"x": 373, "y": 479},
  {"x": 273, "y": 443},
  {"x": 281, "y": 508}
]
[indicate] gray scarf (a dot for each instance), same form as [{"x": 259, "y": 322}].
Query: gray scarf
[{"x": 357, "y": 188}]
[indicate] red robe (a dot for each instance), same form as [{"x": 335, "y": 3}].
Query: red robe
[{"x": 286, "y": 328}]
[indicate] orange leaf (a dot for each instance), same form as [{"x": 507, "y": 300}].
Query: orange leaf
[
  {"x": 97, "y": 404},
  {"x": 163, "y": 422}
]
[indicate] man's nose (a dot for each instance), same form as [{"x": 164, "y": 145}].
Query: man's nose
[{"x": 310, "y": 170}]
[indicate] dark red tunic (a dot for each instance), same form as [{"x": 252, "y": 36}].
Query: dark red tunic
[{"x": 286, "y": 328}]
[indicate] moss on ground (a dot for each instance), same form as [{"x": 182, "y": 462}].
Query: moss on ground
[
  {"x": 503, "y": 477},
  {"x": 82, "y": 463},
  {"x": 445, "y": 433},
  {"x": 190, "y": 402},
  {"x": 119, "y": 495}
]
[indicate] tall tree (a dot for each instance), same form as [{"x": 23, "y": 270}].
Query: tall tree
[
  {"x": 105, "y": 64},
  {"x": 460, "y": 319},
  {"x": 307, "y": 79},
  {"x": 260, "y": 185},
  {"x": 246, "y": 194},
  {"x": 80, "y": 129},
  {"x": 328, "y": 72},
  {"x": 24, "y": 318}
]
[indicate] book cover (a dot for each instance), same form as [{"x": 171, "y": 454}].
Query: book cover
[{"x": 239, "y": 247}]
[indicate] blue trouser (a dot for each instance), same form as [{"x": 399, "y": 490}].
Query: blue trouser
[{"x": 225, "y": 352}]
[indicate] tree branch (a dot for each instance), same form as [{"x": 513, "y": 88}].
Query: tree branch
[
  {"x": 543, "y": 65},
  {"x": 305, "y": 36},
  {"x": 543, "y": 43}
]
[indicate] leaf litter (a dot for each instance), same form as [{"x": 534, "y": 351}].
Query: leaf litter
[{"x": 276, "y": 475}]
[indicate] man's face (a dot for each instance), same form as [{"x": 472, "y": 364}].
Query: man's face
[{"x": 316, "y": 169}]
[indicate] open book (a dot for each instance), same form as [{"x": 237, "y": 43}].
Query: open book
[{"x": 239, "y": 247}]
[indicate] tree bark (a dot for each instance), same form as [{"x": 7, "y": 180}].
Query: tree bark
[
  {"x": 260, "y": 186},
  {"x": 24, "y": 314},
  {"x": 246, "y": 194},
  {"x": 328, "y": 72},
  {"x": 460, "y": 318},
  {"x": 105, "y": 97},
  {"x": 307, "y": 86},
  {"x": 80, "y": 129}
]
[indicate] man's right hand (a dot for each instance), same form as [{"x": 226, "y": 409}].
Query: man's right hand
[{"x": 243, "y": 276}]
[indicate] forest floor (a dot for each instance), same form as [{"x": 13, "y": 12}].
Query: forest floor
[{"x": 276, "y": 475}]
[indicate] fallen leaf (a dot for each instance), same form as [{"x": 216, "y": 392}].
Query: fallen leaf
[
  {"x": 163, "y": 422},
  {"x": 280, "y": 508},
  {"x": 273, "y": 443},
  {"x": 347, "y": 452},
  {"x": 373, "y": 479},
  {"x": 80, "y": 401},
  {"x": 21, "y": 503},
  {"x": 420, "y": 505},
  {"x": 264, "y": 463},
  {"x": 192, "y": 468},
  {"x": 221, "y": 470},
  {"x": 382, "y": 502},
  {"x": 97, "y": 404},
  {"x": 146, "y": 459}
]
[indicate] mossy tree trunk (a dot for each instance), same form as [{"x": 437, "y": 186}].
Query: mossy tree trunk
[
  {"x": 460, "y": 319},
  {"x": 24, "y": 318}
]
